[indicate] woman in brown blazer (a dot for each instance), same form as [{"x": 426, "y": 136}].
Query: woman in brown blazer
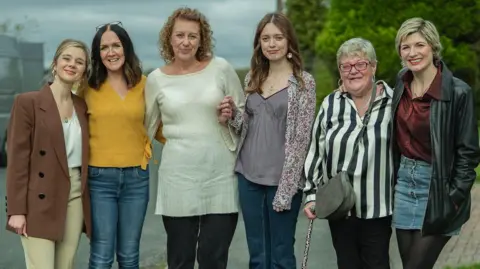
[{"x": 47, "y": 199}]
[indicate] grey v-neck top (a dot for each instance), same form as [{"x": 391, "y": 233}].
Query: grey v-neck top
[{"x": 262, "y": 155}]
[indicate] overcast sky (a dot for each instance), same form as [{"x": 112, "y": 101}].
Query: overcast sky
[{"x": 50, "y": 21}]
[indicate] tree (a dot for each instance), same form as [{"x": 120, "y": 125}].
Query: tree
[{"x": 308, "y": 19}]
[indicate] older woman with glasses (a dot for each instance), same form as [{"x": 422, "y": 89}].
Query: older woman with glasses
[
  {"x": 361, "y": 240},
  {"x": 197, "y": 188}
]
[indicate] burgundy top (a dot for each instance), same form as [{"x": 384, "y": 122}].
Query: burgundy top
[{"x": 413, "y": 119}]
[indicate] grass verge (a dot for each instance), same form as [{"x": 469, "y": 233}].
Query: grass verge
[
  {"x": 478, "y": 173},
  {"x": 473, "y": 266}
]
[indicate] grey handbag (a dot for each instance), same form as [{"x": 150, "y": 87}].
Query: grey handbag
[{"x": 336, "y": 198}]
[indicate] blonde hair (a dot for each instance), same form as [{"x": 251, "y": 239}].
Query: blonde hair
[
  {"x": 73, "y": 43},
  {"x": 205, "y": 49},
  {"x": 426, "y": 29}
]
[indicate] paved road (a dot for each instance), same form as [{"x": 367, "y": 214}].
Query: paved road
[
  {"x": 152, "y": 245},
  {"x": 322, "y": 255},
  {"x": 464, "y": 249}
]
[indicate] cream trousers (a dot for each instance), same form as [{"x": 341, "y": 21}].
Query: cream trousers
[{"x": 46, "y": 254}]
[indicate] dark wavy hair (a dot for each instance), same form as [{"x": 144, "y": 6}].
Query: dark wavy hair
[
  {"x": 132, "y": 70},
  {"x": 260, "y": 65}
]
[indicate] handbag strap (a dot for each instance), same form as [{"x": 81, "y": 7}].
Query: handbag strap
[{"x": 366, "y": 118}]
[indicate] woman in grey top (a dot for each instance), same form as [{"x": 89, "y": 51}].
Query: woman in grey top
[{"x": 275, "y": 128}]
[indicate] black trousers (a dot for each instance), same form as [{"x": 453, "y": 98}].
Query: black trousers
[
  {"x": 212, "y": 234},
  {"x": 362, "y": 243}
]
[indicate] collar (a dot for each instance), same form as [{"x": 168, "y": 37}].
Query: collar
[
  {"x": 293, "y": 79},
  {"x": 446, "y": 82},
  {"x": 434, "y": 90},
  {"x": 387, "y": 92}
]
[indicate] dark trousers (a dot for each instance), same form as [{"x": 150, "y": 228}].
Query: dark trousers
[
  {"x": 362, "y": 243},
  {"x": 270, "y": 234},
  {"x": 213, "y": 233}
]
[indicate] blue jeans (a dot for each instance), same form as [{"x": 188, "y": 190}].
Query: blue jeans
[
  {"x": 119, "y": 199},
  {"x": 270, "y": 234}
]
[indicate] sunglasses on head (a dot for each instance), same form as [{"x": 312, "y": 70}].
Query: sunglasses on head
[{"x": 119, "y": 23}]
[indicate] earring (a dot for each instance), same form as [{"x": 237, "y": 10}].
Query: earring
[
  {"x": 340, "y": 85},
  {"x": 289, "y": 55}
]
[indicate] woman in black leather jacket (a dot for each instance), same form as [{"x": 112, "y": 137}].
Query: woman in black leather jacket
[{"x": 435, "y": 147}]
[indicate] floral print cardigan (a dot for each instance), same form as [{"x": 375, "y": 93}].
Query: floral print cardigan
[{"x": 300, "y": 118}]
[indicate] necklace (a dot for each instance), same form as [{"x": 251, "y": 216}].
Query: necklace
[
  {"x": 422, "y": 93},
  {"x": 415, "y": 95}
]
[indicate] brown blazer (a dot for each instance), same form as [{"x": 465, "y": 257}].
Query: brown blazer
[{"x": 38, "y": 181}]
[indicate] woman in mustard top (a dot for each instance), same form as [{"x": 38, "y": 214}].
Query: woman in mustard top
[{"x": 119, "y": 150}]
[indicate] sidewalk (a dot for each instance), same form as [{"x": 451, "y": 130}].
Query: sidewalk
[
  {"x": 461, "y": 250},
  {"x": 465, "y": 248}
]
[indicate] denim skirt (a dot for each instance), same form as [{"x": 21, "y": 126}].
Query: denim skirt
[{"x": 411, "y": 194}]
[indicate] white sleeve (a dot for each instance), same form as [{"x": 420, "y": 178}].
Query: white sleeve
[
  {"x": 152, "y": 113},
  {"x": 231, "y": 87},
  {"x": 313, "y": 162}
]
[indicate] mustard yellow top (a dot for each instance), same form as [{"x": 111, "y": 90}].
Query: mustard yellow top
[{"x": 117, "y": 134}]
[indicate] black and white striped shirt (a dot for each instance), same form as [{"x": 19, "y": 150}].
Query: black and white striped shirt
[{"x": 334, "y": 132}]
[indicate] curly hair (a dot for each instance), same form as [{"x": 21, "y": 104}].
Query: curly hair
[
  {"x": 206, "y": 40},
  {"x": 260, "y": 65}
]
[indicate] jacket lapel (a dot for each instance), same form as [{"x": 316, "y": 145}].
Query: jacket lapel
[
  {"x": 82, "y": 119},
  {"x": 52, "y": 121}
]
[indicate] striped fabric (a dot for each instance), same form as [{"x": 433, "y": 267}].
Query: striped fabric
[{"x": 335, "y": 130}]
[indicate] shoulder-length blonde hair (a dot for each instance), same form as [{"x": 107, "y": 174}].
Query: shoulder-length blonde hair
[
  {"x": 204, "y": 52},
  {"x": 260, "y": 65},
  {"x": 426, "y": 29},
  {"x": 69, "y": 43}
]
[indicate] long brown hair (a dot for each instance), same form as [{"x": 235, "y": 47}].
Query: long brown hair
[{"x": 260, "y": 65}]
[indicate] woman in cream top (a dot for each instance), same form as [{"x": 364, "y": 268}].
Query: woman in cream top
[
  {"x": 197, "y": 188},
  {"x": 196, "y": 174}
]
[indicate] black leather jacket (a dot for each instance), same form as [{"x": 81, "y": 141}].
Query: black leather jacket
[{"x": 455, "y": 153}]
